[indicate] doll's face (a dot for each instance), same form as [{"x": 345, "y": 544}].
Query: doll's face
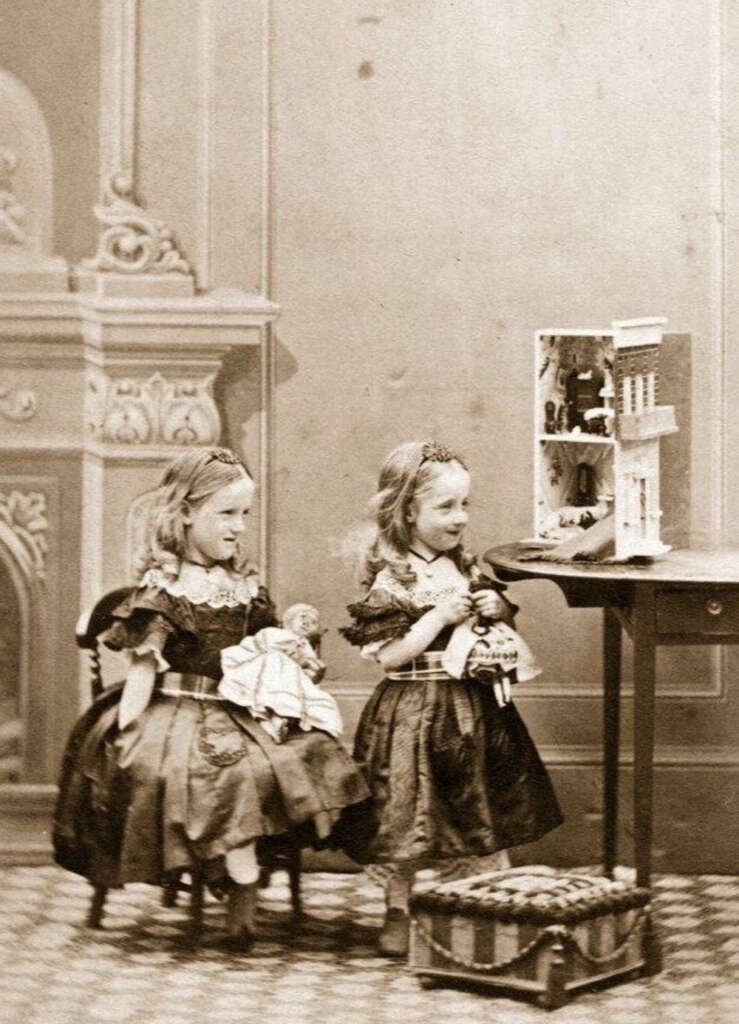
[
  {"x": 302, "y": 619},
  {"x": 438, "y": 512},
  {"x": 213, "y": 528}
]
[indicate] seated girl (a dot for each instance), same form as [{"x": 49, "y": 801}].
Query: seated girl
[{"x": 163, "y": 773}]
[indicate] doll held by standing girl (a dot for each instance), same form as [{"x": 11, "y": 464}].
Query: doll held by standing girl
[
  {"x": 452, "y": 769},
  {"x": 163, "y": 771}
]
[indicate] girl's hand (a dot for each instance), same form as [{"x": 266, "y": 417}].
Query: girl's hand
[
  {"x": 488, "y": 604},
  {"x": 454, "y": 608}
]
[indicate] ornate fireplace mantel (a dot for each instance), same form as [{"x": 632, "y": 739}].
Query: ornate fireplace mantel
[
  {"x": 101, "y": 385},
  {"x": 160, "y": 340}
]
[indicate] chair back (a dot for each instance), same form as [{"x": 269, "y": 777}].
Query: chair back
[{"x": 91, "y": 624}]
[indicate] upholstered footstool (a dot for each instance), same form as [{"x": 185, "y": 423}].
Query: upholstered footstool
[{"x": 533, "y": 932}]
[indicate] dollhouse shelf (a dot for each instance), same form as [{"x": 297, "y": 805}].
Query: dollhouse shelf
[
  {"x": 576, "y": 438},
  {"x": 597, "y": 428}
]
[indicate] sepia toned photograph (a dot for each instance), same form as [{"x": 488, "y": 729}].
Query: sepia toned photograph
[{"x": 369, "y": 511}]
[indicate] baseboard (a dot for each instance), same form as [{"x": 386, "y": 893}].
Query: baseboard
[{"x": 26, "y": 811}]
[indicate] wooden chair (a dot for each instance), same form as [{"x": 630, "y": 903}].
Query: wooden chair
[
  {"x": 284, "y": 856},
  {"x": 288, "y": 858}
]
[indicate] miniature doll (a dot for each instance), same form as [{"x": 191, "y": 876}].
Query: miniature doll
[
  {"x": 486, "y": 648},
  {"x": 274, "y": 674}
]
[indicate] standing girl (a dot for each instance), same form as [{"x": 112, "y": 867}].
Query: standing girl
[
  {"x": 452, "y": 769},
  {"x": 162, "y": 771}
]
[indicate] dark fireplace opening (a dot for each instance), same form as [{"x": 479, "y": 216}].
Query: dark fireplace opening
[{"x": 10, "y": 675}]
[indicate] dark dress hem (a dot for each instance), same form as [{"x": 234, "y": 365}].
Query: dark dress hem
[
  {"x": 451, "y": 775},
  {"x": 193, "y": 779}
]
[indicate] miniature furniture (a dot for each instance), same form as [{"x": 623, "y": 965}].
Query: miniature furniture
[
  {"x": 282, "y": 855},
  {"x": 533, "y": 932},
  {"x": 597, "y": 432},
  {"x": 686, "y": 597}
]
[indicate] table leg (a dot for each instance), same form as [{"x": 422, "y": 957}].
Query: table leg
[
  {"x": 611, "y": 736},
  {"x": 644, "y": 686}
]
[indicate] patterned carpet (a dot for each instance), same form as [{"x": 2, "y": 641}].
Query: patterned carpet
[{"x": 327, "y": 969}]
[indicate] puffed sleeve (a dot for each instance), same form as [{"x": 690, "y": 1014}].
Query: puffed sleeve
[
  {"x": 143, "y": 622},
  {"x": 262, "y": 612},
  {"x": 379, "y": 618}
]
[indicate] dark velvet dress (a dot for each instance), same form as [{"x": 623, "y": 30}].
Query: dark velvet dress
[
  {"x": 452, "y": 774},
  {"x": 196, "y": 777}
]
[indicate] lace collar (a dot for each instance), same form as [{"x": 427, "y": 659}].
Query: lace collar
[
  {"x": 443, "y": 580},
  {"x": 214, "y": 585}
]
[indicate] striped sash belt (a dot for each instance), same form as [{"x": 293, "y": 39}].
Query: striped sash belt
[
  {"x": 425, "y": 668},
  {"x": 187, "y": 684}
]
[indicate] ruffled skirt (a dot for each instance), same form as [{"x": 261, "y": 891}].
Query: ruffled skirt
[
  {"x": 451, "y": 775},
  {"x": 194, "y": 780}
]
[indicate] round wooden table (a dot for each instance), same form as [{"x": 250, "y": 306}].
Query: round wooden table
[{"x": 684, "y": 597}]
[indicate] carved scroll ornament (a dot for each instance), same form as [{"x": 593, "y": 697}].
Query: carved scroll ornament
[
  {"x": 153, "y": 411},
  {"x": 24, "y": 516},
  {"x": 132, "y": 241}
]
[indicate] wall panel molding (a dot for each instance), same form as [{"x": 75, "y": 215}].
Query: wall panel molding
[
  {"x": 118, "y": 88},
  {"x": 665, "y": 756},
  {"x": 205, "y": 152}
]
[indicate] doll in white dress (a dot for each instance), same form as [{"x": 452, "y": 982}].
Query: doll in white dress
[{"x": 274, "y": 675}]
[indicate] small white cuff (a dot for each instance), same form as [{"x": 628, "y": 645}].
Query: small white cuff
[
  {"x": 146, "y": 650},
  {"x": 370, "y": 651}
]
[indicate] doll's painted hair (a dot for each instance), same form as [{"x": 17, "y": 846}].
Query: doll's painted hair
[
  {"x": 188, "y": 481},
  {"x": 407, "y": 471}
]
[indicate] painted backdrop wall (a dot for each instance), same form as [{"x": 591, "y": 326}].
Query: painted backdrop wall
[
  {"x": 446, "y": 181},
  {"x": 421, "y": 186},
  {"x": 448, "y": 178}
]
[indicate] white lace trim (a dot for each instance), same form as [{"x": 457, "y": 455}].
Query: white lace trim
[
  {"x": 448, "y": 580},
  {"x": 214, "y": 586}
]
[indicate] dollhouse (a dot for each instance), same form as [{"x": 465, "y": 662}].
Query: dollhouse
[{"x": 597, "y": 434}]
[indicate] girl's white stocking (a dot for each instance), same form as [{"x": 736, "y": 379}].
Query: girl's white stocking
[
  {"x": 241, "y": 864},
  {"x": 398, "y": 886}
]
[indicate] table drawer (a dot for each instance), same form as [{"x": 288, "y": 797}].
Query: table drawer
[{"x": 712, "y": 610}]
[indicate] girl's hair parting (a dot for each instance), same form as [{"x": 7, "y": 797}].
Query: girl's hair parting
[
  {"x": 188, "y": 481},
  {"x": 406, "y": 472}
]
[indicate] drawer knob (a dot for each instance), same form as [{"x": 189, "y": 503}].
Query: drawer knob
[{"x": 714, "y": 606}]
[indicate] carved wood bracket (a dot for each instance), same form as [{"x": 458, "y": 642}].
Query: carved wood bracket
[{"x": 132, "y": 241}]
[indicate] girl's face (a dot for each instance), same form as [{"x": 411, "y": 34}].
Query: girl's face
[
  {"x": 213, "y": 528},
  {"x": 438, "y": 513}
]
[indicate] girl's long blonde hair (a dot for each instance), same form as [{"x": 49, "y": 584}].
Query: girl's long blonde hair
[
  {"x": 406, "y": 472},
  {"x": 188, "y": 481}
]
